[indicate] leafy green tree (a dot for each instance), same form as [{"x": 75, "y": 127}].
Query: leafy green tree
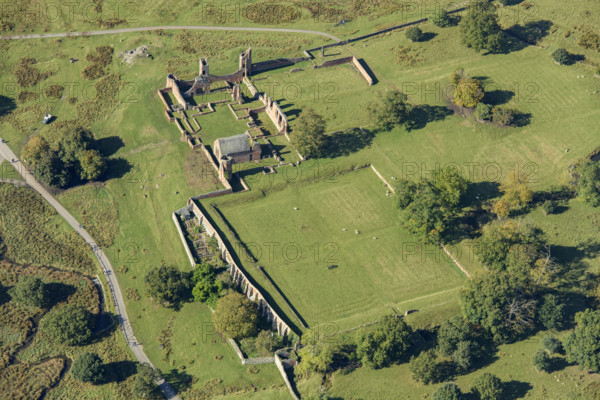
[
  {"x": 317, "y": 353},
  {"x": 392, "y": 110},
  {"x": 451, "y": 186},
  {"x": 50, "y": 170},
  {"x": 34, "y": 150},
  {"x": 479, "y": 27},
  {"x": 503, "y": 115},
  {"x": 414, "y": 34},
  {"x": 468, "y": 93},
  {"x": 483, "y": 112},
  {"x": 583, "y": 344},
  {"x": 452, "y": 331},
  {"x": 487, "y": 387},
  {"x": 552, "y": 344},
  {"x": 464, "y": 355},
  {"x": 448, "y": 391},
  {"x": 207, "y": 288},
  {"x": 308, "y": 136},
  {"x": 144, "y": 385},
  {"x": 167, "y": 285},
  {"x": 561, "y": 56},
  {"x": 515, "y": 190},
  {"x": 72, "y": 325},
  {"x": 495, "y": 301},
  {"x": 425, "y": 368},
  {"x": 387, "y": 343},
  {"x": 92, "y": 165},
  {"x": 542, "y": 361},
  {"x": 552, "y": 312},
  {"x": 74, "y": 141},
  {"x": 235, "y": 316},
  {"x": 267, "y": 342},
  {"x": 88, "y": 367},
  {"x": 588, "y": 182},
  {"x": 31, "y": 291},
  {"x": 441, "y": 19}
]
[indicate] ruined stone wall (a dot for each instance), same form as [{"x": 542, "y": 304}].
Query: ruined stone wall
[
  {"x": 362, "y": 71},
  {"x": 240, "y": 278},
  {"x": 172, "y": 84},
  {"x": 348, "y": 60},
  {"x": 275, "y": 113}
]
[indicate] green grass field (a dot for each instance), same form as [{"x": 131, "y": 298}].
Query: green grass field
[{"x": 381, "y": 267}]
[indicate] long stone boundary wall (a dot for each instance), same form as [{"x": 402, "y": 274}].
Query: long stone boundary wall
[
  {"x": 240, "y": 278},
  {"x": 348, "y": 60},
  {"x": 283, "y": 373},
  {"x": 182, "y": 236}
]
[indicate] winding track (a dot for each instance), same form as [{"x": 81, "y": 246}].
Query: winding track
[
  {"x": 176, "y": 27},
  {"x": 120, "y": 311}
]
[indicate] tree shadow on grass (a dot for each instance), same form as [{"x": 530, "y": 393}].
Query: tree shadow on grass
[
  {"x": 497, "y": 97},
  {"x": 427, "y": 36},
  {"x": 531, "y": 32},
  {"x": 116, "y": 168},
  {"x": 109, "y": 145},
  {"x": 178, "y": 379},
  {"x": 120, "y": 370},
  {"x": 7, "y": 105},
  {"x": 515, "y": 390},
  {"x": 59, "y": 292},
  {"x": 349, "y": 141},
  {"x": 423, "y": 114}
]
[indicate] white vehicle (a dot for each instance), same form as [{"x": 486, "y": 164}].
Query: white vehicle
[{"x": 47, "y": 118}]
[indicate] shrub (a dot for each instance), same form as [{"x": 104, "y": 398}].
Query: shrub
[
  {"x": 88, "y": 367},
  {"x": 503, "y": 115},
  {"x": 441, "y": 19},
  {"x": 542, "y": 361},
  {"x": 132, "y": 294},
  {"x": 31, "y": 291},
  {"x": 425, "y": 368},
  {"x": 167, "y": 285},
  {"x": 71, "y": 325},
  {"x": 590, "y": 40},
  {"x": 414, "y": 34},
  {"x": 448, "y": 391},
  {"x": 93, "y": 71},
  {"x": 561, "y": 56},
  {"x": 468, "y": 92},
  {"x": 549, "y": 207},
  {"x": 102, "y": 57},
  {"x": 487, "y": 387},
  {"x": 27, "y": 75},
  {"x": 483, "y": 111},
  {"x": 54, "y": 91},
  {"x": 552, "y": 344}
]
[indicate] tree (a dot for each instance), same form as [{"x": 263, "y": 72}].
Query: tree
[
  {"x": 414, "y": 34},
  {"x": 448, "y": 391},
  {"x": 552, "y": 344},
  {"x": 479, "y": 27},
  {"x": 451, "y": 186},
  {"x": 235, "y": 316},
  {"x": 317, "y": 353},
  {"x": 583, "y": 344},
  {"x": 72, "y": 142},
  {"x": 167, "y": 285},
  {"x": 266, "y": 342},
  {"x": 542, "y": 361},
  {"x": 483, "y": 112},
  {"x": 457, "y": 76},
  {"x": 425, "y": 368},
  {"x": 561, "y": 56},
  {"x": 309, "y": 136},
  {"x": 588, "y": 182},
  {"x": 144, "y": 386},
  {"x": 207, "y": 288},
  {"x": 503, "y": 115},
  {"x": 441, "y": 19},
  {"x": 451, "y": 332},
  {"x": 50, "y": 170},
  {"x": 494, "y": 300},
  {"x": 72, "y": 325},
  {"x": 515, "y": 189},
  {"x": 392, "y": 110},
  {"x": 31, "y": 291},
  {"x": 88, "y": 367},
  {"x": 468, "y": 93},
  {"x": 552, "y": 312},
  {"x": 92, "y": 164},
  {"x": 387, "y": 343},
  {"x": 549, "y": 207},
  {"x": 34, "y": 150},
  {"x": 487, "y": 387},
  {"x": 464, "y": 355},
  {"x": 501, "y": 208}
]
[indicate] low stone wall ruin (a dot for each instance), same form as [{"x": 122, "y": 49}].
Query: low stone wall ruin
[{"x": 348, "y": 60}]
